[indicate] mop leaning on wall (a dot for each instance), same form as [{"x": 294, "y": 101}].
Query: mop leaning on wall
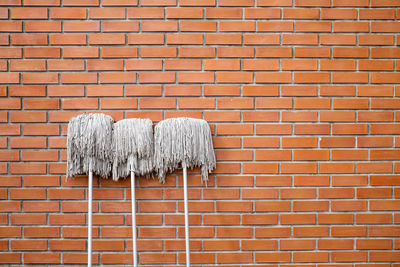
[
  {"x": 89, "y": 148},
  {"x": 133, "y": 154},
  {"x": 186, "y": 143}
]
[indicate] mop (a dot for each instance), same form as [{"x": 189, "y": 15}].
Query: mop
[
  {"x": 133, "y": 154},
  {"x": 89, "y": 147},
  {"x": 186, "y": 143}
]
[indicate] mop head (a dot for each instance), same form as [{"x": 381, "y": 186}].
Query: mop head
[
  {"x": 183, "y": 142},
  {"x": 133, "y": 147},
  {"x": 89, "y": 143}
]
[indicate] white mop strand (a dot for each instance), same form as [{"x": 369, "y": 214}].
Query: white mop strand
[
  {"x": 89, "y": 143},
  {"x": 183, "y": 142},
  {"x": 132, "y": 147}
]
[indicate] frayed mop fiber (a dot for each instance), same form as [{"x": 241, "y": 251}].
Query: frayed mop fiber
[
  {"x": 89, "y": 145},
  {"x": 183, "y": 142},
  {"x": 132, "y": 147}
]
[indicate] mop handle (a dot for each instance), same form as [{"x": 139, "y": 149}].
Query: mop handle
[
  {"x": 133, "y": 203},
  {"x": 90, "y": 188},
  {"x": 185, "y": 196}
]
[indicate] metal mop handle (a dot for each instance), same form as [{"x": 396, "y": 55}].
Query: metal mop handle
[
  {"x": 185, "y": 196},
  {"x": 90, "y": 188},
  {"x": 134, "y": 249}
]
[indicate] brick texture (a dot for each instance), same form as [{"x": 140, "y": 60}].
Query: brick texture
[{"x": 302, "y": 97}]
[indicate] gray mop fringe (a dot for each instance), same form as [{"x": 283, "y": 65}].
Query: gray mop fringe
[
  {"x": 133, "y": 147},
  {"x": 183, "y": 142},
  {"x": 89, "y": 142}
]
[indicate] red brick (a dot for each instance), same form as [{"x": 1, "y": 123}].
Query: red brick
[
  {"x": 159, "y": 3},
  {"x": 212, "y": 245},
  {"x": 150, "y": 258},
  {"x": 11, "y": 258},
  {"x": 307, "y": 244},
  {"x": 224, "y": 13},
  {"x": 272, "y": 257},
  {"x": 11, "y": 26},
  {"x": 70, "y": 13},
  {"x": 385, "y": 26},
  {"x": 48, "y": 257},
  {"x": 221, "y": 64},
  {"x": 9, "y": 77},
  {"x": 120, "y": 26},
  {"x": 158, "y": 51},
  {"x": 306, "y": 231},
  {"x": 371, "y": 40},
  {"x": 350, "y": 26},
  {"x": 106, "y": 39},
  {"x": 196, "y": 103},
  {"x": 145, "y": 13},
  {"x": 299, "y": 64},
  {"x": 235, "y": 52},
  {"x": 298, "y": 168},
  {"x": 234, "y": 77},
  {"x": 28, "y": 219},
  {"x": 119, "y": 52},
  {"x": 65, "y": 90},
  {"x": 299, "y": 90},
  {"x": 28, "y": 13},
  {"x": 338, "y": 39},
  {"x": 319, "y": 26},
  {"x": 346, "y": 256},
  {"x": 237, "y": 26},
  {"x": 289, "y": 219},
  {"x": 70, "y": 78},
  {"x": 254, "y": 39},
  {"x": 300, "y": 13},
  {"x": 118, "y": 103},
  {"x": 320, "y": 77},
  {"x": 311, "y": 155},
  {"x": 275, "y": 26},
  {"x": 29, "y": 245},
  {"x": 157, "y": 103},
  {"x": 148, "y": 64},
  {"x": 107, "y": 13},
  {"x": 259, "y": 64},
  {"x": 300, "y": 193},
  {"x": 43, "y": 26},
  {"x": 10, "y": 206},
  {"x": 273, "y": 52},
  {"x": 338, "y": 13},
  {"x": 195, "y": 77},
  {"x": 29, "y": 39},
  {"x": 270, "y": 77},
  {"x": 81, "y": 26},
  {"x": 153, "y": 77},
  {"x": 117, "y": 77},
  {"x": 76, "y": 103},
  {"x": 350, "y": 52},
  {"x": 184, "y": 13},
  {"x": 156, "y": 26},
  {"x": 67, "y": 39},
  {"x": 187, "y": 38},
  {"x": 314, "y": 52},
  {"x": 81, "y": 3},
  {"x": 10, "y": 103}
]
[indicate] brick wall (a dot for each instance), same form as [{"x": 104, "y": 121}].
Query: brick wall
[{"x": 302, "y": 97}]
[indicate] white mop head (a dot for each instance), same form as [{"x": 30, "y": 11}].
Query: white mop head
[
  {"x": 89, "y": 143},
  {"x": 133, "y": 147},
  {"x": 183, "y": 142}
]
